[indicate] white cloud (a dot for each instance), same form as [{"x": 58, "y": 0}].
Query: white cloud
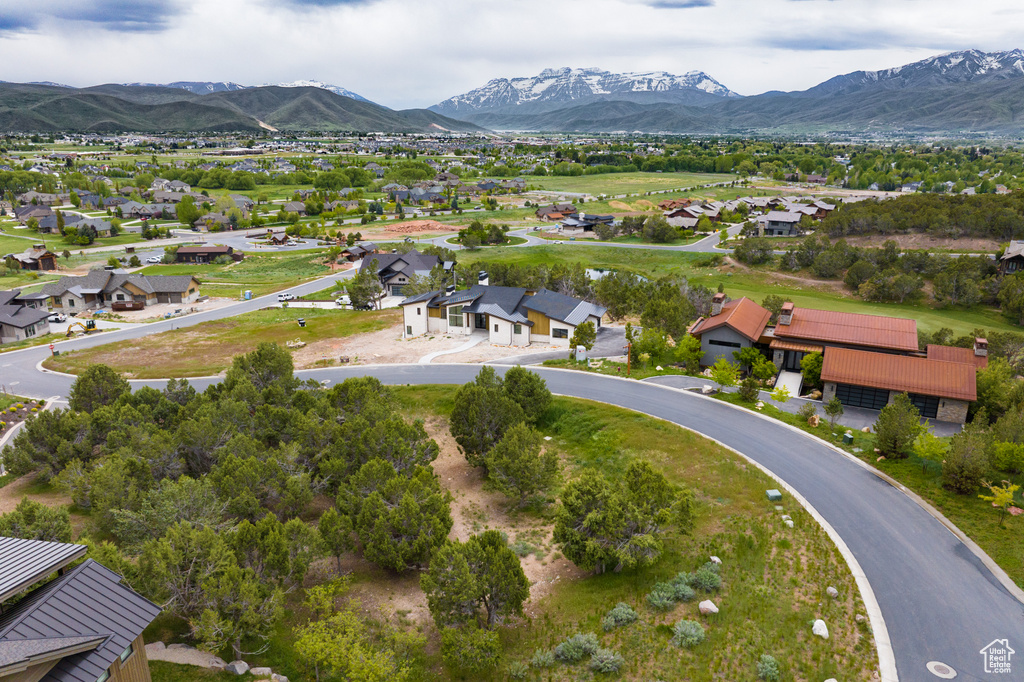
[{"x": 405, "y": 53}]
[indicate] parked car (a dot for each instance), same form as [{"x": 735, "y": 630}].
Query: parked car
[
  {"x": 57, "y": 317},
  {"x": 154, "y": 259},
  {"x": 281, "y": 298}
]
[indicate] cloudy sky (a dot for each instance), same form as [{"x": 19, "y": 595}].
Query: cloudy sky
[{"x": 409, "y": 53}]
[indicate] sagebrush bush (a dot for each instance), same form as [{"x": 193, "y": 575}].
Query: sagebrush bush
[
  {"x": 662, "y": 596},
  {"x": 577, "y": 647},
  {"x": 768, "y": 669},
  {"x": 606, "y": 661},
  {"x": 543, "y": 658},
  {"x": 706, "y": 578},
  {"x": 622, "y": 614},
  {"x": 687, "y": 633},
  {"x": 518, "y": 670}
]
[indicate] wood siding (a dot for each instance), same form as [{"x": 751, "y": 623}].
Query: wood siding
[
  {"x": 541, "y": 323},
  {"x": 435, "y": 312},
  {"x": 32, "y": 673},
  {"x": 135, "y": 669}
]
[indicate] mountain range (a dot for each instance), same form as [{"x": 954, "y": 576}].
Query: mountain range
[
  {"x": 206, "y": 87},
  {"x": 218, "y": 107},
  {"x": 966, "y": 91}
]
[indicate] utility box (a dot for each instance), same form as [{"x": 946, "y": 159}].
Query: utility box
[
  {"x": 302, "y": 322},
  {"x": 774, "y": 495},
  {"x": 581, "y": 353},
  {"x": 848, "y": 438}
]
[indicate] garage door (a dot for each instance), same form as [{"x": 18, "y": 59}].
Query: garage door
[
  {"x": 927, "y": 405},
  {"x": 862, "y": 396}
]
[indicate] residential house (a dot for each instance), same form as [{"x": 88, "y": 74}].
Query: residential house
[
  {"x": 204, "y": 254},
  {"x": 585, "y": 221},
  {"x": 510, "y": 316},
  {"x": 134, "y": 209},
  {"x": 780, "y": 224},
  {"x": 103, "y": 287},
  {"x": 395, "y": 269},
  {"x": 21, "y": 318},
  {"x": 358, "y": 251},
  {"x": 731, "y": 326},
  {"x": 40, "y": 198},
  {"x": 296, "y": 207},
  {"x": 36, "y": 258},
  {"x": 555, "y": 212},
  {"x": 23, "y": 214},
  {"x": 84, "y": 625},
  {"x": 1012, "y": 259}
]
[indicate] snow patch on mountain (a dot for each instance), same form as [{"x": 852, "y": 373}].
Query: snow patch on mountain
[
  {"x": 206, "y": 87},
  {"x": 337, "y": 90},
  {"x": 565, "y": 85}
]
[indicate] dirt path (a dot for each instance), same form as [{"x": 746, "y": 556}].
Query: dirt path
[{"x": 835, "y": 286}]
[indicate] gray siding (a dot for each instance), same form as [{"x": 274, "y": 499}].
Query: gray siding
[{"x": 725, "y": 334}]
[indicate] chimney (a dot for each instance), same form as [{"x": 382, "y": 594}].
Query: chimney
[
  {"x": 786, "y": 314},
  {"x": 450, "y": 289},
  {"x": 483, "y": 279},
  {"x": 717, "y": 301},
  {"x": 981, "y": 347}
]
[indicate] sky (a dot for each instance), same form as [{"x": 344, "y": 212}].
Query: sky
[{"x": 412, "y": 53}]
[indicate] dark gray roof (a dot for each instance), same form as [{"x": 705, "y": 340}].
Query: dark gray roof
[
  {"x": 23, "y": 563},
  {"x": 107, "y": 282},
  {"x": 419, "y": 298},
  {"x": 561, "y": 307},
  {"x": 87, "y": 601},
  {"x": 512, "y": 303},
  {"x": 20, "y": 316},
  {"x": 410, "y": 263},
  {"x": 18, "y": 654}
]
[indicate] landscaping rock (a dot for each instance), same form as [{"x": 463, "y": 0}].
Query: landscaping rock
[
  {"x": 278, "y": 678},
  {"x": 814, "y": 420},
  {"x": 814, "y": 395},
  {"x": 178, "y": 646},
  {"x": 832, "y": 592},
  {"x": 866, "y": 429},
  {"x": 261, "y": 672},
  {"x": 217, "y": 662},
  {"x": 786, "y": 517},
  {"x": 237, "y": 667},
  {"x": 707, "y": 607},
  {"x": 716, "y": 560},
  {"x": 859, "y": 618},
  {"x": 659, "y": 368},
  {"x": 880, "y": 458},
  {"x": 707, "y": 390},
  {"x": 831, "y": 679},
  {"x": 156, "y": 646},
  {"x": 820, "y": 629},
  {"x": 789, "y": 523}
]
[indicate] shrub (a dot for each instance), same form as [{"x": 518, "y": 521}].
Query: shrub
[
  {"x": 542, "y": 658},
  {"x": 518, "y": 670},
  {"x": 768, "y": 669},
  {"x": 662, "y": 597},
  {"x": 898, "y": 424},
  {"x": 606, "y": 661},
  {"x": 577, "y": 647},
  {"x": 687, "y": 633},
  {"x": 622, "y": 614},
  {"x": 749, "y": 388},
  {"x": 807, "y": 410},
  {"x": 1008, "y": 457},
  {"x": 966, "y": 462},
  {"x": 706, "y": 578}
]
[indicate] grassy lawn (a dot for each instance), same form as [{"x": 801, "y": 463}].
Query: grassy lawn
[
  {"x": 774, "y": 578},
  {"x": 648, "y": 262},
  {"x": 616, "y": 369},
  {"x": 973, "y": 516},
  {"x": 208, "y": 348},
  {"x": 162, "y": 671},
  {"x": 626, "y": 183},
  {"x": 263, "y": 274}
]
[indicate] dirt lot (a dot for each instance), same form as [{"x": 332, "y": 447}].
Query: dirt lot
[
  {"x": 418, "y": 227},
  {"x": 156, "y": 312},
  {"x": 926, "y": 242},
  {"x": 388, "y": 347},
  {"x": 474, "y": 510}
]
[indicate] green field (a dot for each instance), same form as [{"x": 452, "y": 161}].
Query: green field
[
  {"x": 262, "y": 274},
  {"x": 626, "y": 183}
]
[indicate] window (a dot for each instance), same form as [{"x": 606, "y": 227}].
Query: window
[
  {"x": 120, "y": 297},
  {"x": 517, "y": 329},
  {"x": 495, "y": 327},
  {"x": 560, "y": 333},
  {"x": 104, "y": 677},
  {"x": 419, "y": 311},
  {"x": 728, "y": 344},
  {"x": 129, "y": 650},
  {"x": 927, "y": 405},
  {"x": 408, "y": 330},
  {"x": 862, "y": 396},
  {"x": 71, "y": 303},
  {"x": 455, "y": 316}
]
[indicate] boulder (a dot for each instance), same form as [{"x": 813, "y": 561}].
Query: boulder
[
  {"x": 814, "y": 420},
  {"x": 832, "y": 592},
  {"x": 866, "y": 429},
  {"x": 156, "y": 646},
  {"x": 707, "y": 607},
  {"x": 859, "y": 618},
  {"x": 172, "y": 647},
  {"x": 820, "y": 629},
  {"x": 831, "y": 679},
  {"x": 814, "y": 395},
  {"x": 659, "y": 368},
  {"x": 261, "y": 672},
  {"x": 237, "y": 667},
  {"x": 278, "y": 678},
  {"x": 715, "y": 560},
  {"x": 789, "y": 523},
  {"x": 706, "y": 389},
  {"x": 786, "y": 517},
  {"x": 217, "y": 662}
]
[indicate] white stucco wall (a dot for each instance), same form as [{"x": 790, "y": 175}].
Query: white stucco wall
[
  {"x": 414, "y": 319},
  {"x": 500, "y": 331}
]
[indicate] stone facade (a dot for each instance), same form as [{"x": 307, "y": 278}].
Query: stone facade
[{"x": 952, "y": 411}]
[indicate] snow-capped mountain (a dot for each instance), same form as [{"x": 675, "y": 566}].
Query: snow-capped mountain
[
  {"x": 337, "y": 90},
  {"x": 567, "y": 85},
  {"x": 206, "y": 87},
  {"x": 966, "y": 66}
]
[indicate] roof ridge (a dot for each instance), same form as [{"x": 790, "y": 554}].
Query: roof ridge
[{"x": 37, "y": 595}]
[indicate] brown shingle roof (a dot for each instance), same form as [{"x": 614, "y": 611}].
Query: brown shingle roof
[
  {"x": 900, "y": 373},
  {"x": 873, "y": 331},
  {"x": 742, "y": 315},
  {"x": 954, "y": 354}
]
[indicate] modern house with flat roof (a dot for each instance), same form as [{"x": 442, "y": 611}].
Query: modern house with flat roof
[
  {"x": 510, "y": 316},
  {"x": 60, "y": 623},
  {"x": 867, "y": 359}
]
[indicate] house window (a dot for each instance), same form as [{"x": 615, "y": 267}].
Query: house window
[
  {"x": 104, "y": 677},
  {"x": 495, "y": 327},
  {"x": 455, "y": 316},
  {"x": 517, "y": 329},
  {"x": 120, "y": 297},
  {"x": 419, "y": 311},
  {"x": 560, "y": 333},
  {"x": 30, "y": 330},
  {"x": 728, "y": 344},
  {"x": 126, "y": 654},
  {"x": 408, "y": 330},
  {"x": 71, "y": 303}
]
